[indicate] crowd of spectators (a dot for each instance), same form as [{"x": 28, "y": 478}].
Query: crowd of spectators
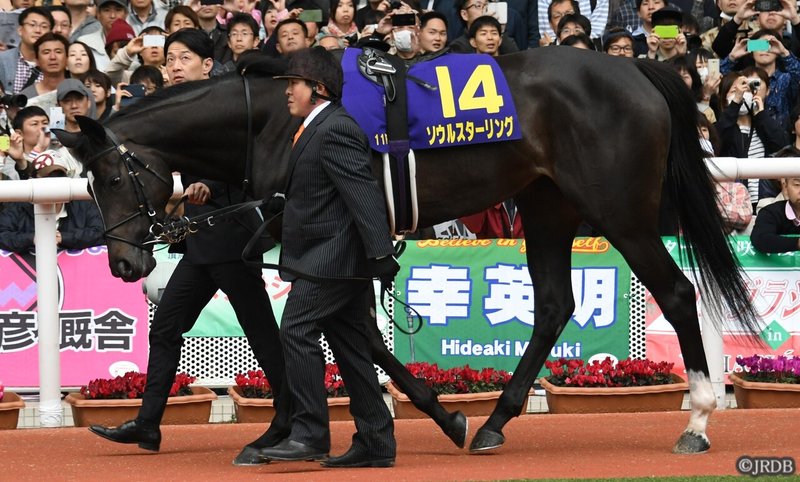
[{"x": 738, "y": 57}]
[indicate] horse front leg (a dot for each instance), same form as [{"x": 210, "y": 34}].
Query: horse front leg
[
  {"x": 550, "y": 224},
  {"x": 454, "y": 425}
]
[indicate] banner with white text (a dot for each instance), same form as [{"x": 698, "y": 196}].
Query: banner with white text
[{"x": 476, "y": 299}]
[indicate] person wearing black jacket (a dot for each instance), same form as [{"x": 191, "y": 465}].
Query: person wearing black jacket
[
  {"x": 777, "y": 227},
  {"x": 212, "y": 261},
  {"x": 729, "y": 32}
]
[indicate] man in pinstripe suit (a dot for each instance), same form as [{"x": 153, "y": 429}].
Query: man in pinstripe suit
[{"x": 334, "y": 226}]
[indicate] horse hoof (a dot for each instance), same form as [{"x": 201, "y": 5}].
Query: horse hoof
[
  {"x": 486, "y": 440},
  {"x": 692, "y": 443},
  {"x": 249, "y": 456},
  {"x": 457, "y": 428}
]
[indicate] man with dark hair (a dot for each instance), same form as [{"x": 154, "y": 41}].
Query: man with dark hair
[
  {"x": 211, "y": 261},
  {"x": 333, "y": 227},
  {"x": 242, "y": 34},
  {"x": 469, "y": 11},
  {"x": 618, "y": 42},
  {"x": 207, "y": 16},
  {"x": 62, "y": 20},
  {"x": 108, "y": 12},
  {"x": 572, "y": 24},
  {"x": 432, "y": 32},
  {"x": 291, "y": 35},
  {"x": 18, "y": 65},
  {"x": 51, "y": 57},
  {"x": 484, "y": 35},
  {"x": 556, "y": 10}
]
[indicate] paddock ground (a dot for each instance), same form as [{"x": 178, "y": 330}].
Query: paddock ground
[{"x": 537, "y": 446}]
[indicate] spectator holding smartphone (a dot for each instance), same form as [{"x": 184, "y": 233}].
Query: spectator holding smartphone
[
  {"x": 782, "y": 67},
  {"x": 146, "y": 49},
  {"x": 745, "y": 128},
  {"x": 666, "y": 40}
]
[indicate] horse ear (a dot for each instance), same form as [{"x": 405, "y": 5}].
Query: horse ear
[
  {"x": 91, "y": 129},
  {"x": 68, "y": 139}
]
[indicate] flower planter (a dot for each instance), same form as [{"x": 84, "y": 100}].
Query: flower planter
[
  {"x": 260, "y": 410},
  {"x": 764, "y": 395},
  {"x": 470, "y": 404},
  {"x": 653, "y": 398},
  {"x": 9, "y": 410},
  {"x": 188, "y": 409}
]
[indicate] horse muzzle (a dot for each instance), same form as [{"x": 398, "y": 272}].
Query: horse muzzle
[{"x": 131, "y": 269}]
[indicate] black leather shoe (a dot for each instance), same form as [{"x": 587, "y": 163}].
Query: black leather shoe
[
  {"x": 249, "y": 456},
  {"x": 131, "y": 432},
  {"x": 357, "y": 458},
  {"x": 292, "y": 450}
]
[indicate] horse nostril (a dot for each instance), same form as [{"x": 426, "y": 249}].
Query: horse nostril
[{"x": 124, "y": 268}]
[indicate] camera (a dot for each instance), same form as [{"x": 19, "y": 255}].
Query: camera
[
  {"x": 9, "y": 100},
  {"x": 754, "y": 84},
  {"x": 768, "y": 6}
]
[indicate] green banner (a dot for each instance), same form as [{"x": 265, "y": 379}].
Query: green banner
[{"x": 476, "y": 299}]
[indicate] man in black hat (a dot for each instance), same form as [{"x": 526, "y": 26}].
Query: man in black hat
[
  {"x": 335, "y": 230},
  {"x": 666, "y": 39}
]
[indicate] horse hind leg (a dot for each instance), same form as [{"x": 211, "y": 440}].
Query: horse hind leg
[
  {"x": 454, "y": 425},
  {"x": 675, "y": 295},
  {"x": 550, "y": 224}
]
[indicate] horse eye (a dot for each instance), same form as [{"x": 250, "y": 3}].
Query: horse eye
[{"x": 115, "y": 181}]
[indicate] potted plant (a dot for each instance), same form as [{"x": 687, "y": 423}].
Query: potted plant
[
  {"x": 112, "y": 401},
  {"x": 10, "y": 405},
  {"x": 767, "y": 382},
  {"x": 604, "y": 386},
  {"x": 473, "y": 392},
  {"x": 253, "y": 400}
]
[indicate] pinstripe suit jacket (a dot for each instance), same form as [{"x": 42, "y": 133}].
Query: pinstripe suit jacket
[{"x": 335, "y": 216}]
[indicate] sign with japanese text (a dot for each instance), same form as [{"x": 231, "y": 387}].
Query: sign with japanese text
[
  {"x": 103, "y": 320},
  {"x": 774, "y": 281},
  {"x": 476, "y": 300},
  {"x": 454, "y": 99}
]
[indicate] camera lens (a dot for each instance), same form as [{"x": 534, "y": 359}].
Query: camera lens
[{"x": 9, "y": 100}]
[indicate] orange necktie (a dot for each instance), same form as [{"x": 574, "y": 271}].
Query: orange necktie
[{"x": 298, "y": 134}]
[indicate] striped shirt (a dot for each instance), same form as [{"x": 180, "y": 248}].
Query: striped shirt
[
  {"x": 756, "y": 151},
  {"x": 598, "y": 17},
  {"x": 24, "y": 72}
]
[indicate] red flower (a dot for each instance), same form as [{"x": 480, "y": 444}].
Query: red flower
[
  {"x": 131, "y": 385},
  {"x": 459, "y": 380},
  {"x": 626, "y": 373}
]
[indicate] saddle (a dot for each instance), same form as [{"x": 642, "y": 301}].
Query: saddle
[{"x": 398, "y": 164}]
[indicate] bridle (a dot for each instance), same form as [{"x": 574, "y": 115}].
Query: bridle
[{"x": 160, "y": 230}]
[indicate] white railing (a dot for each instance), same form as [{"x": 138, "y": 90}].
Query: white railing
[{"x": 44, "y": 193}]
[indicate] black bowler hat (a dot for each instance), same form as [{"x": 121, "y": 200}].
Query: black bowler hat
[{"x": 317, "y": 65}]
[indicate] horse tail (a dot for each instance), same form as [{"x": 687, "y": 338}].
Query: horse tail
[{"x": 690, "y": 187}]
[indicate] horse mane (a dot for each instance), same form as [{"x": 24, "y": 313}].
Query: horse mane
[{"x": 257, "y": 65}]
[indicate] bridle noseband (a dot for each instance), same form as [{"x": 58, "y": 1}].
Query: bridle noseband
[{"x": 160, "y": 230}]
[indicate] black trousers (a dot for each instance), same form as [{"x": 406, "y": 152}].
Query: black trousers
[
  {"x": 341, "y": 311},
  {"x": 190, "y": 288}
]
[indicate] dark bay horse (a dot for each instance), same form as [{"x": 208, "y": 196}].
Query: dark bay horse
[{"x": 602, "y": 138}]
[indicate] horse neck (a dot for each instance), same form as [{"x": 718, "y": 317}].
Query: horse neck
[{"x": 183, "y": 139}]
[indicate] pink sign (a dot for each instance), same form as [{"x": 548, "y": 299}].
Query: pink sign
[
  {"x": 103, "y": 320},
  {"x": 776, "y": 298}
]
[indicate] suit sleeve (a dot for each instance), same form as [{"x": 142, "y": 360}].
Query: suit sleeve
[
  {"x": 346, "y": 159},
  {"x": 765, "y": 237}
]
